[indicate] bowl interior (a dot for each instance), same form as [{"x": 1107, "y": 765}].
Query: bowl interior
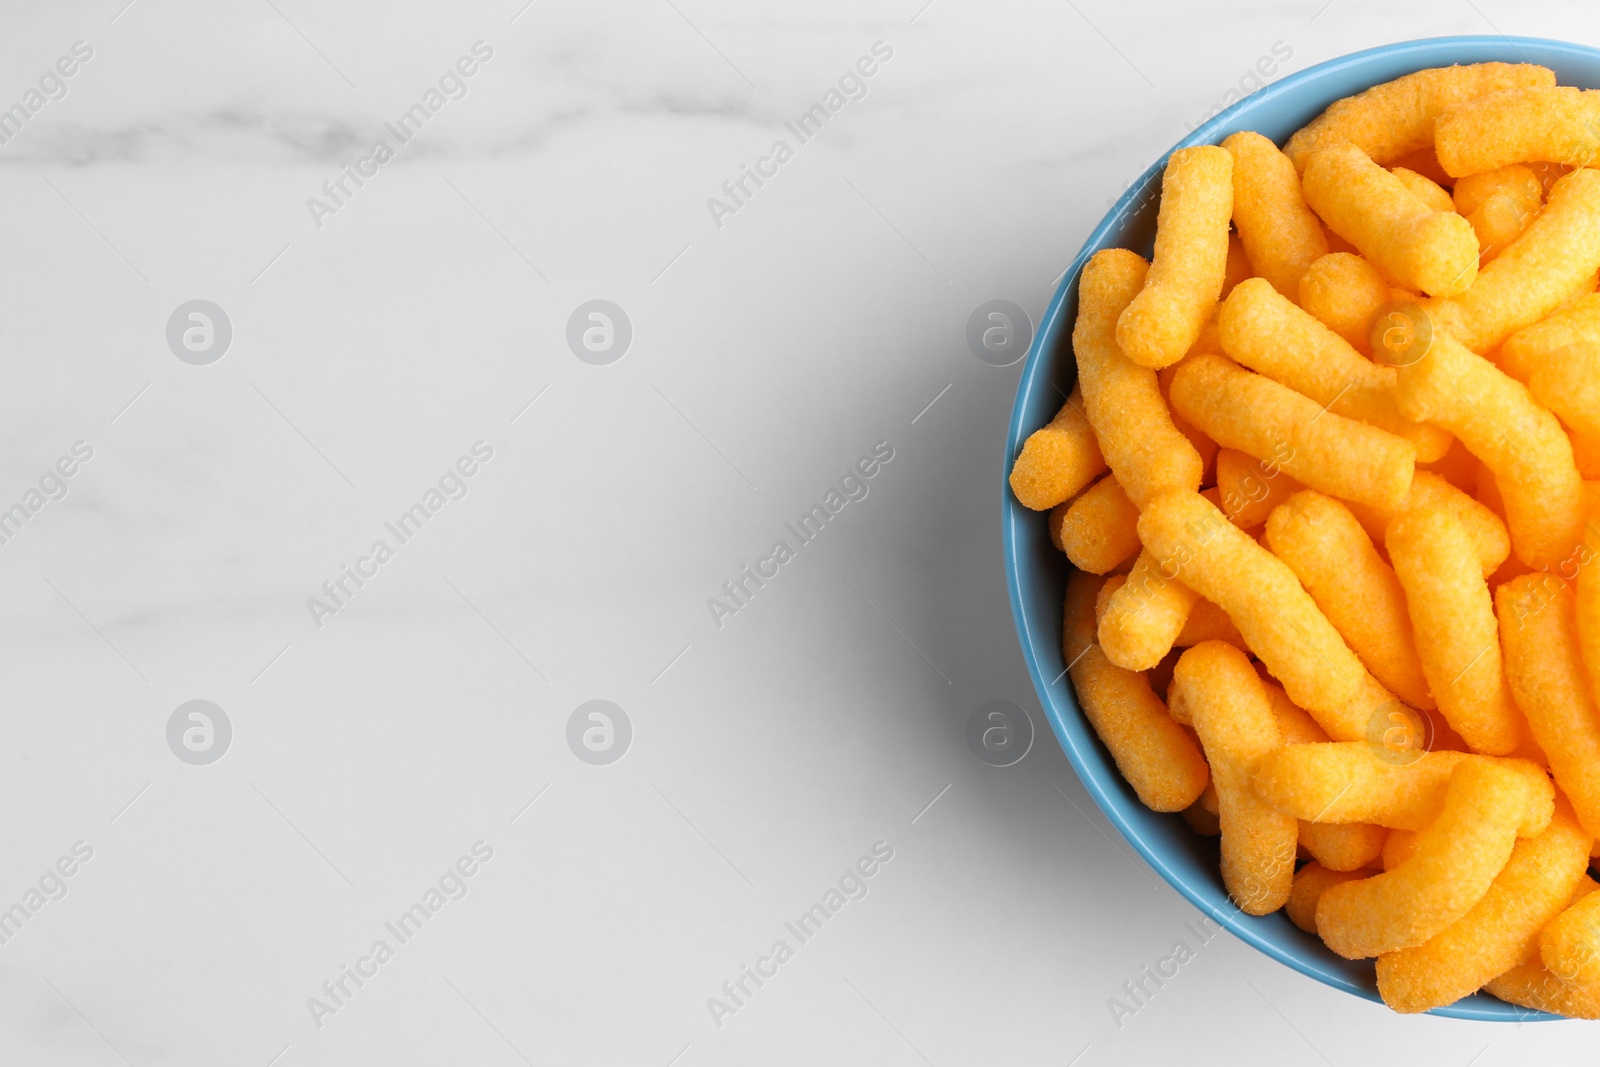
[{"x": 1036, "y": 571}]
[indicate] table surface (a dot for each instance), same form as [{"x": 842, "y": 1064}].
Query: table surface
[{"x": 409, "y": 757}]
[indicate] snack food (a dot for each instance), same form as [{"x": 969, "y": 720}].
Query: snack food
[
  {"x": 1145, "y": 615},
  {"x": 1122, "y": 399},
  {"x": 1570, "y": 943},
  {"x": 1522, "y": 442},
  {"x": 1248, "y": 489},
  {"x": 1419, "y": 247},
  {"x": 1279, "y": 622},
  {"x": 1456, "y": 859},
  {"x": 1555, "y": 254},
  {"x": 1538, "y": 624},
  {"x": 1279, "y": 234},
  {"x": 1425, "y": 189},
  {"x": 1059, "y": 459},
  {"x": 1347, "y": 412},
  {"x": 1256, "y": 415},
  {"x": 1098, "y": 531},
  {"x": 1361, "y": 782},
  {"x": 1457, "y": 634},
  {"x": 1395, "y": 119},
  {"x": 1547, "y": 123},
  {"x": 1499, "y": 204},
  {"x": 1154, "y": 753},
  {"x": 1343, "y": 291},
  {"x": 1187, "y": 271},
  {"x": 1496, "y": 932},
  {"x": 1310, "y": 882},
  {"x": 1231, "y": 714},
  {"x": 1261, "y": 329},
  {"x": 1339, "y": 566}
]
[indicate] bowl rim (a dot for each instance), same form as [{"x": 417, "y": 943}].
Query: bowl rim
[{"x": 1074, "y": 735}]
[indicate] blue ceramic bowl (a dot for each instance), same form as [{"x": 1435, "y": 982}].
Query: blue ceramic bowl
[{"x": 1036, "y": 572}]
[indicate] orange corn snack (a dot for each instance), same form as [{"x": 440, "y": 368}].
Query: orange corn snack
[
  {"x": 1100, "y": 529},
  {"x": 1424, "y": 189},
  {"x": 1501, "y": 424},
  {"x": 1249, "y": 489},
  {"x": 1153, "y": 753},
  {"x": 1418, "y": 246},
  {"x": 1122, "y": 399},
  {"x": 1278, "y": 231},
  {"x": 1344, "y": 292},
  {"x": 1499, "y": 930},
  {"x": 1279, "y": 622},
  {"x": 1362, "y": 782},
  {"x": 1262, "y": 330},
  {"x": 1456, "y": 860},
  {"x": 1549, "y": 123},
  {"x": 1190, "y": 261},
  {"x": 1255, "y": 415},
  {"x": 1056, "y": 462},
  {"x": 1335, "y": 560},
  {"x": 1573, "y": 328},
  {"x": 1539, "y": 629},
  {"x": 1310, "y": 882},
  {"x": 1457, "y": 635},
  {"x": 1231, "y": 714},
  {"x": 1394, "y": 119},
  {"x": 1553, "y": 257},
  {"x": 1145, "y": 616},
  {"x": 1499, "y": 204}
]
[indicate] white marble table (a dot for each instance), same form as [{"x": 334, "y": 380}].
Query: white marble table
[{"x": 423, "y": 713}]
